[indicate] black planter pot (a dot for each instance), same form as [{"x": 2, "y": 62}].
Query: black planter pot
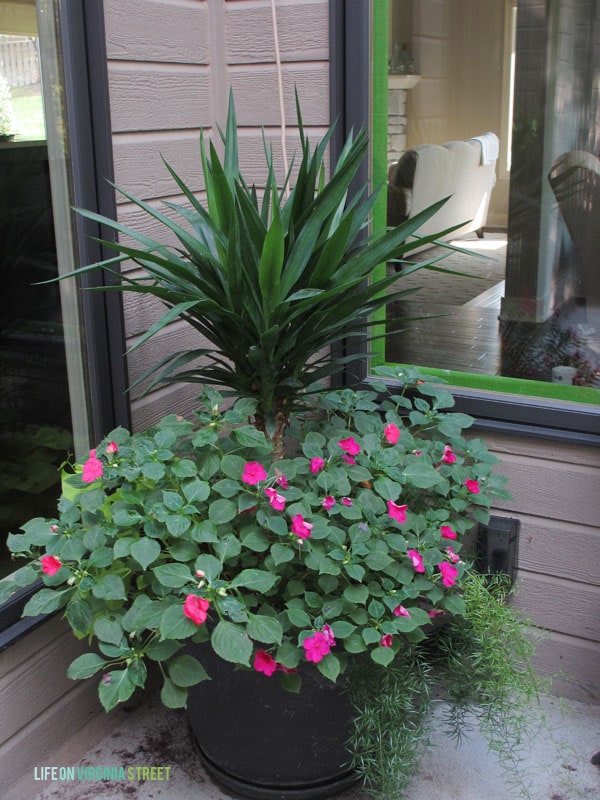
[{"x": 259, "y": 741}]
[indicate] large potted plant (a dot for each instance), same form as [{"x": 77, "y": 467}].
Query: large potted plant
[{"x": 326, "y": 562}]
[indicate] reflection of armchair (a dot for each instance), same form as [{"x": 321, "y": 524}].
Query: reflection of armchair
[{"x": 575, "y": 181}]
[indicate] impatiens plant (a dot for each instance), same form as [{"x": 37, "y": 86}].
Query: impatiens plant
[{"x": 195, "y": 532}]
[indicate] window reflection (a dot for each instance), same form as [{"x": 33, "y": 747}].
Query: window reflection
[
  {"x": 35, "y": 418},
  {"x": 524, "y": 77}
]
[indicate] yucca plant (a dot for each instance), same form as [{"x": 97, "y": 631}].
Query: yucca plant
[{"x": 273, "y": 282}]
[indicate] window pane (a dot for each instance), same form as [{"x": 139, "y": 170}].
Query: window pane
[
  {"x": 40, "y": 360},
  {"x": 513, "y": 88}
]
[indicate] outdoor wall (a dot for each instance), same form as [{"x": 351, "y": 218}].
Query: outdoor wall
[
  {"x": 555, "y": 495},
  {"x": 165, "y": 88}
]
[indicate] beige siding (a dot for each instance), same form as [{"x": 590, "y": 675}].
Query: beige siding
[
  {"x": 164, "y": 89},
  {"x": 555, "y": 489}
]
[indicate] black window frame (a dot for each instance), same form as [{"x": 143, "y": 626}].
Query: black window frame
[
  {"x": 494, "y": 412},
  {"x": 89, "y": 134}
]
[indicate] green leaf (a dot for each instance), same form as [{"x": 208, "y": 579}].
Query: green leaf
[
  {"x": 281, "y": 554},
  {"x": 355, "y": 644},
  {"x": 109, "y": 629},
  {"x": 329, "y": 666},
  {"x": 383, "y": 655},
  {"x": 175, "y": 625},
  {"x": 177, "y": 524},
  {"x": 231, "y": 643},
  {"x": 255, "y": 539},
  {"x": 291, "y": 682},
  {"x": 153, "y": 470},
  {"x": 356, "y": 594},
  {"x": 45, "y": 601},
  {"x": 222, "y": 511},
  {"x": 370, "y": 635},
  {"x": 161, "y": 651},
  {"x": 196, "y": 491},
  {"x": 454, "y": 603},
  {"x": 209, "y": 565},
  {"x": 172, "y": 501},
  {"x": 298, "y": 617},
  {"x": 115, "y": 687},
  {"x": 249, "y": 436},
  {"x": 174, "y": 575},
  {"x": 109, "y": 587},
  {"x": 145, "y": 551},
  {"x": 228, "y": 488},
  {"x": 255, "y": 579},
  {"x": 264, "y": 629},
  {"x": 185, "y": 670},
  {"x": 173, "y": 696},
  {"x": 79, "y": 616},
  {"x": 342, "y": 629},
  {"x": 85, "y": 666}
]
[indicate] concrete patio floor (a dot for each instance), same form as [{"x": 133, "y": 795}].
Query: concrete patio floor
[{"x": 556, "y": 766}]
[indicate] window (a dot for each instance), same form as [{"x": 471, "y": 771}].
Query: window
[
  {"x": 62, "y": 371},
  {"x": 518, "y": 335}
]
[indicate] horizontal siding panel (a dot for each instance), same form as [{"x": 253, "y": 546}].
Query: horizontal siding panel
[
  {"x": 139, "y": 166},
  {"x": 24, "y": 695},
  {"x": 302, "y": 30},
  {"x": 35, "y": 742},
  {"x": 143, "y": 223},
  {"x": 575, "y": 665},
  {"x": 559, "y": 548},
  {"x": 256, "y": 91},
  {"x": 560, "y": 605},
  {"x": 140, "y": 313},
  {"x": 157, "y": 31},
  {"x": 157, "y": 99},
  {"x": 173, "y": 339},
  {"x": 543, "y": 449},
  {"x": 551, "y": 489},
  {"x": 180, "y": 398}
]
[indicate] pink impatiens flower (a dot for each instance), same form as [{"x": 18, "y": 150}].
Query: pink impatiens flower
[
  {"x": 400, "y": 611},
  {"x": 112, "y": 448},
  {"x": 447, "y": 532},
  {"x": 348, "y": 459},
  {"x": 346, "y": 501},
  {"x": 397, "y": 512},
  {"x": 386, "y": 640},
  {"x": 264, "y": 662},
  {"x": 300, "y": 527},
  {"x": 253, "y": 473},
  {"x": 277, "y": 501},
  {"x": 328, "y": 503},
  {"x": 50, "y": 565},
  {"x": 391, "y": 433},
  {"x": 454, "y": 557},
  {"x": 281, "y": 479},
  {"x": 449, "y": 573},
  {"x": 92, "y": 469},
  {"x": 472, "y": 485},
  {"x": 328, "y": 632},
  {"x": 417, "y": 560},
  {"x": 195, "y": 608},
  {"x": 350, "y": 446},
  {"x": 436, "y": 612},
  {"x": 316, "y": 646},
  {"x": 448, "y": 457},
  {"x": 316, "y": 464}
]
